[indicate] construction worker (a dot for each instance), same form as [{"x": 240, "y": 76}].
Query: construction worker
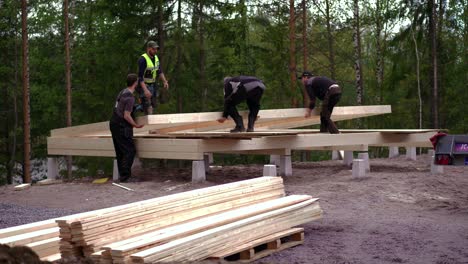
[
  {"x": 326, "y": 90},
  {"x": 121, "y": 127},
  {"x": 236, "y": 90},
  {"x": 149, "y": 68}
]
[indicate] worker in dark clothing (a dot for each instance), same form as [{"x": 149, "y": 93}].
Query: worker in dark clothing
[
  {"x": 121, "y": 126},
  {"x": 149, "y": 69},
  {"x": 326, "y": 90},
  {"x": 236, "y": 90}
]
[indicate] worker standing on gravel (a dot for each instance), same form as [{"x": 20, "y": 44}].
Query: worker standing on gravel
[
  {"x": 121, "y": 126},
  {"x": 326, "y": 90},
  {"x": 149, "y": 69},
  {"x": 236, "y": 90}
]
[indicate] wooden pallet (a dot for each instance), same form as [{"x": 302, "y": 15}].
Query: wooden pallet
[{"x": 260, "y": 248}]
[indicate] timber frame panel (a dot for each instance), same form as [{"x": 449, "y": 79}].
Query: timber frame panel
[{"x": 190, "y": 136}]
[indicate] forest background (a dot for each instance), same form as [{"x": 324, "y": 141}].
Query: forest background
[{"x": 67, "y": 67}]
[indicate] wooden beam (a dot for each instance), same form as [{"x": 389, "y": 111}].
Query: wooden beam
[
  {"x": 22, "y": 186},
  {"x": 293, "y": 117},
  {"x": 318, "y": 140},
  {"x": 203, "y": 244},
  {"x": 202, "y": 224},
  {"x": 27, "y": 228},
  {"x": 31, "y": 237}
]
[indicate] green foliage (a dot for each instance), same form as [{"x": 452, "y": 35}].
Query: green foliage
[{"x": 248, "y": 37}]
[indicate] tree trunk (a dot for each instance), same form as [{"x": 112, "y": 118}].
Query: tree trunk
[
  {"x": 160, "y": 27},
  {"x": 178, "y": 57},
  {"x": 243, "y": 39},
  {"x": 435, "y": 88},
  {"x": 440, "y": 71},
  {"x": 292, "y": 52},
  {"x": 305, "y": 52},
  {"x": 26, "y": 114},
  {"x": 379, "y": 69},
  {"x": 331, "y": 51},
  {"x": 202, "y": 53},
  {"x": 416, "y": 51},
  {"x": 12, "y": 147},
  {"x": 357, "y": 54},
  {"x": 68, "y": 80}
]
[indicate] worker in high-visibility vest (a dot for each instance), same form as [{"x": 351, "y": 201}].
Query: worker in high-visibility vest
[
  {"x": 236, "y": 90},
  {"x": 149, "y": 68}
]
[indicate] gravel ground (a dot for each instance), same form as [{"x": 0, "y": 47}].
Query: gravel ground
[
  {"x": 398, "y": 213},
  {"x": 14, "y": 214}
]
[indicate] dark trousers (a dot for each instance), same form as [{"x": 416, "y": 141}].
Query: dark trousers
[
  {"x": 328, "y": 103},
  {"x": 122, "y": 136},
  {"x": 253, "y": 102},
  {"x": 145, "y": 103}
]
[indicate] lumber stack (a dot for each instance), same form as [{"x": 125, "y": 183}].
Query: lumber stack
[
  {"x": 88, "y": 234},
  {"x": 210, "y": 236},
  {"x": 42, "y": 237},
  {"x": 212, "y": 222}
]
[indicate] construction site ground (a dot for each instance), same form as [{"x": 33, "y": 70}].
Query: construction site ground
[{"x": 398, "y": 213}]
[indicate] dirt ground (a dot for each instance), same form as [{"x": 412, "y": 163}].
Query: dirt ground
[{"x": 398, "y": 213}]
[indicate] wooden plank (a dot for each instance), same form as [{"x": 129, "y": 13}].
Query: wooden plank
[
  {"x": 339, "y": 113},
  {"x": 30, "y": 237},
  {"x": 208, "y": 222},
  {"x": 81, "y": 129},
  {"x": 52, "y": 258},
  {"x": 173, "y": 197},
  {"x": 123, "y": 187},
  {"x": 146, "y": 148},
  {"x": 172, "y": 221},
  {"x": 27, "y": 228},
  {"x": 44, "y": 244},
  {"x": 106, "y": 224},
  {"x": 170, "y": 155},
  {"x": 48, "y": 182},
  {"x": 241, "y": 235},
  {"x": 318, "y": 140},
  {"x": 145, "y": 223},
  {"x": 345, "y": 130},
  {"x": 22, "y": 186},
  {"x": 203, "y": 244},
  {"x": 361, "y": 147},
  {"x": 194, "y": 149},
  {"x": 188, "y": 126},
  {"x": 173, "y": 246},
  {"x": 261, "y": 152},
  {"x": 205, "y": 197},
  {"x": 207, "y": 120},
  {"x": 81, "y": 152}
]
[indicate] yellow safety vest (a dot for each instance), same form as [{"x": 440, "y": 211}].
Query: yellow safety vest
[{"x": 150, "y": 72}]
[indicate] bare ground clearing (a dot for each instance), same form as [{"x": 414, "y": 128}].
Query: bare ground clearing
[{"x": 399, "y": 213}]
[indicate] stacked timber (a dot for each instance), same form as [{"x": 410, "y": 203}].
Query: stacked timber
[
  {"x": 89, "y": 233},
  {"x": 213, "y": 223},
  {"x": 211, "y": 235},
  {"x": 42, "y": 237}
]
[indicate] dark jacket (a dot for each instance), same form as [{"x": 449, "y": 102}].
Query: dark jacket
[{"x": 317, "y": 87}]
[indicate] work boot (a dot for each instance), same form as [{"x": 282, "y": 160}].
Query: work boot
[
  {"x": 250, "y": 126},
  {"x": 238, "y": 129},
  {"x": 239, "y": 125}
]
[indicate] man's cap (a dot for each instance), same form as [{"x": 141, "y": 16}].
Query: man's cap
[
  {"x": 306, "y": 74},
  {"x": 152, "y": 44}
]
